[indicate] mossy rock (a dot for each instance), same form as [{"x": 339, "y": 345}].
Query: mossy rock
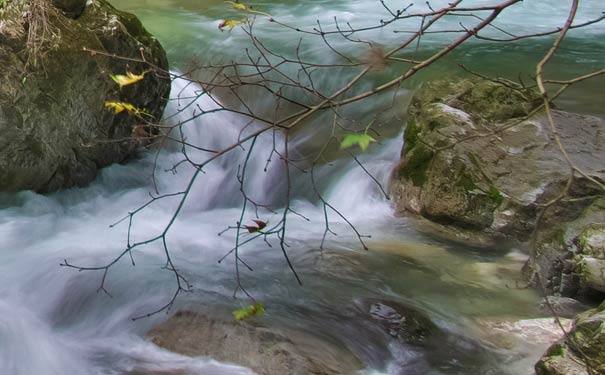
[
  {"x": 592, "y": 241},
  {"x": 584, "y": 346},
  {"x": 473, "y": 159},
  {"x": 56, "y": 130}
]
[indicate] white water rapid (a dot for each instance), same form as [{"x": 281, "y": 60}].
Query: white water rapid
[{"x": 53, "y": 321}]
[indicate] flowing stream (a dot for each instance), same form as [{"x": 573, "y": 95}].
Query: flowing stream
[{"x": 55, "y": 321}]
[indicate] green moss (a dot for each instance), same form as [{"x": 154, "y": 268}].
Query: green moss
[
  {"x": 587, "y": 234},
  {"x": 466, "y": 181},
  {"x": 411, "y": 134},
  {"x": 417, "y": 164},
  {"x": 435, "y": 124},
  {"x": 495, "y": 195},
  {"x": 556, "y": 350}
]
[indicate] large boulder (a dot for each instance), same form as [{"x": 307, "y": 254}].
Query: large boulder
[
  {"x": 265, "y": 350},
  {"x": 56, "y": 131},
  {"x": 582, "y": 352},
  {"x": 476, "y": 160}
]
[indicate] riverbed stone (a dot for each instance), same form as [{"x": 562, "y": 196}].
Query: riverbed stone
[
  {"x": 506, "y": 333},
  {"x": 402, "y": 322},
  {"x": 563, "y": 307},
  {"x": 56, "y": 131},
  {"x": 265, "y": 350}
]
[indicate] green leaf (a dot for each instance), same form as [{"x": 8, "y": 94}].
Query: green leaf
[
  {"x": 354, "y": 139},
  {"x": 249, "y": 311}
]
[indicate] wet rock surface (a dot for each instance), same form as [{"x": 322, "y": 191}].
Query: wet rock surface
[
  {"x": 265, "y": 350},
  {"x": 563, "y": 307},
  {"x": 582, "y": 352}
]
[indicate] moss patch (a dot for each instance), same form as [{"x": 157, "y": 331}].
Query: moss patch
[
  {"x": 556, "y": 350},
  {"x": 417, "y": 164},
  {"x": 411, "y": 134},
  {"x": 466, "y": 181},
  {"x": 495, "y": 195}
]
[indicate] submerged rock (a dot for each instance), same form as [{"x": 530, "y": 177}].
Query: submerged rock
[
  {"x": 265, "y": 350},
  {"x": 56, "y": 131},
  {"x": 424, "y": 345},
  {"x": 402, "y": 322}
]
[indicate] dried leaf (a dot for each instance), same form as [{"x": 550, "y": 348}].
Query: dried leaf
[
  {"x": 261, "y": 224},
  {"x": 249, "y": 311},
  {"x": 256, "y": 228},
  {"x": 375, "y": 59},
  {"x": 128, "y": 79},
  {"x": 354, "y": 139}
]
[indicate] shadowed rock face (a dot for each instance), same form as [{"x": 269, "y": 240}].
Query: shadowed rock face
[
  {"x": 72, "y": 8},
  {"x": 55, "y": 130}
]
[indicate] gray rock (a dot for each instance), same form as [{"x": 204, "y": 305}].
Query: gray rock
[
  {"x": 265, "y": 350},
  {"x": 563, "y": 307},
  {"x": 56, "y": 131},
  {"x": 569, "y": 284},
  {"x": 583, "y": 348}
]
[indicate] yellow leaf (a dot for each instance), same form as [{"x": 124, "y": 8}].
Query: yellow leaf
[
  {"x": 122, "y": 106},
  {"x": 249, "y": 311},
  {"x": 246, "y": 8},
  {"x": 128, "y": 79},
  {"x": 231, "y": 23},
  {"x": 238, "y": 6}
]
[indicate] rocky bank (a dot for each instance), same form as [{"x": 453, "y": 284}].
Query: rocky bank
[
  {"x": 476, "y": 163},
  {"x": 481, "y": 162}
]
